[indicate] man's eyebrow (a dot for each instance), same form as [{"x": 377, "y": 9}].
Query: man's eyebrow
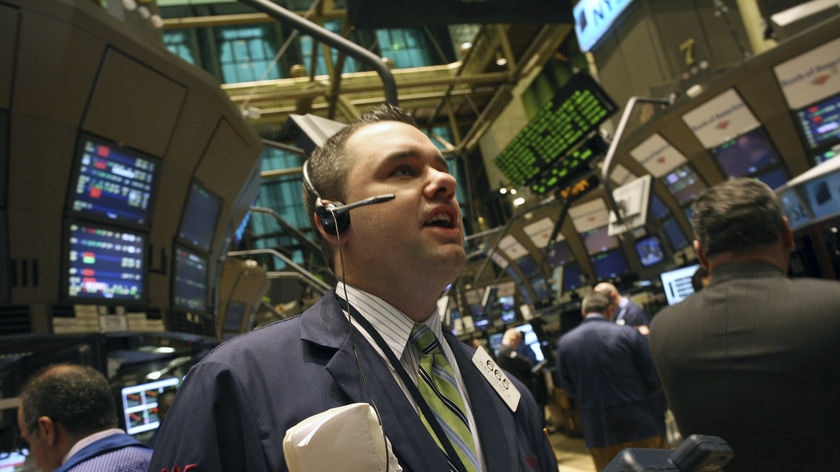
[{"x": 413, "y": 155}]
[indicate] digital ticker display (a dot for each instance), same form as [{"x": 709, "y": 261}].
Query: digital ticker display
[
  {"x": 561, "y": 124},
  {"x": 113, "y": 183},
  {"x": 104, "y": 263}
]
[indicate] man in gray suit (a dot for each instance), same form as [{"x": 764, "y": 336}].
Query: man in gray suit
[{"x": 753, "y": 358}]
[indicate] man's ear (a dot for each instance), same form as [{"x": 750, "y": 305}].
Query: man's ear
[
  {"x": 48, "y": 430},
  {"x": 786, "y": 235}
]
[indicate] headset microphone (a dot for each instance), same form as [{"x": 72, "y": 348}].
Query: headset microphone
[{"x": 335, "y": 216}]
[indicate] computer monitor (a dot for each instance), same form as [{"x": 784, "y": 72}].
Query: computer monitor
[
  {"x": 649, "y": 249},
  {"x": 508, "y": 305},
  {"x": 189, "y": 280},
  {"x": 598, "y": 240},
  {"x": 542, "y": 293},
  {"x": 571, "y": 277},
  {"x": 684, "y": 184},
  {"x": 609, "y": 265},
  {"x": 103, "y": 264},
  {"x": 675, "y": 234},
  {"x": 112, "y": 183},
  {"x": 527, "y": 266},
  {"x": 200, "y": 217},
  {"x": 140, "y": 404},
  {"x": 823, "y": 195},
  {"x": 559, "y": 253},
  {"x": 745, "y": 154},
  {"x": 677, "y": 283},
  {"x": 530, "y": 339},
  {"x": 819, "y": 123}
]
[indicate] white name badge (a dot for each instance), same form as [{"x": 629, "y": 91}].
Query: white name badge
[{"x": 497, "y": 378}]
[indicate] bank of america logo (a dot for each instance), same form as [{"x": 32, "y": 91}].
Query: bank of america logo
[{"x": 582, "y": 20}]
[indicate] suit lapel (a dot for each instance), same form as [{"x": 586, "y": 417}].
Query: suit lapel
[{"x": 412, "y": 444}]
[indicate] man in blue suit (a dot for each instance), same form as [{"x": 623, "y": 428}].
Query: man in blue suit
[
  {"x": 392, "y": 262},
  {"x": 67, "y": 417},
  {"x": 629, "y": 312},
  {"x": 608, "y": 369}
]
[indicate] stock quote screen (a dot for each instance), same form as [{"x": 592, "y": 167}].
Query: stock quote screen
[{"x": 557, "y": 141}]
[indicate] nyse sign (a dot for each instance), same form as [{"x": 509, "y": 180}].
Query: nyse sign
[{"x": 594, "y": 17}]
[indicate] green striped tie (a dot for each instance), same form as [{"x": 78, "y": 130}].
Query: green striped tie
[{"x": 439, "y": 388}]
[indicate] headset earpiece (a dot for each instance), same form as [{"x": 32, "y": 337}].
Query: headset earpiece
[{"x": 332, "y": 220}]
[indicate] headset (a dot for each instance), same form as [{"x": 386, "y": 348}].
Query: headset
[{"x": 335, "y": 217}]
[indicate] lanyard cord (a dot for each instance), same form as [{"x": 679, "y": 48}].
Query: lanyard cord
[{"x": 452, "y": 456}]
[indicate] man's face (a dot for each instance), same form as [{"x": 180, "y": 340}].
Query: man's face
[{"x": 417, "y": 238}]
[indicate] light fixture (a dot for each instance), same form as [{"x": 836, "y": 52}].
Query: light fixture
[{"x": 501, "y": 60}]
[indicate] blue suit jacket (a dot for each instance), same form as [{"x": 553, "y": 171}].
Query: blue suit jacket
[
  {"x": 117, "y": 453},
  {"x": 235, "y": 406}
]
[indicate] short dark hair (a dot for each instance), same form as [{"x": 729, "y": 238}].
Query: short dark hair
[
  {"x": 77, "y": 397},
  {"x": 328, "y": 165},
  {"x": 596, "y": 302},
  {"x": 737, "y": 215}
]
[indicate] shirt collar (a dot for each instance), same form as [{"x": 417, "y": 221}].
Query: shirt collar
[{"x": 88, "y": 440}]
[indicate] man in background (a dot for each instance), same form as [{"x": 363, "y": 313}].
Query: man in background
[
  {"x": 629, "y": 312},
  {"x": 607, "y": 368},
  {"x": 67, "y": 417},
  {"x": 753, "y": 357}
]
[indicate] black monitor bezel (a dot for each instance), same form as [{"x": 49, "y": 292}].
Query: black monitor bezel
[{"x": 196, "y": 184}]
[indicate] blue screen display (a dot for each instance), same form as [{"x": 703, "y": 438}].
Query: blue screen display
[
  {"x": 189, "y": 290},
  {"x": 201, "y": 214},
  {"x": 113, "y": 183},
  {"x": 105, "y": 264},
  {"x": 609, "y": 265}
]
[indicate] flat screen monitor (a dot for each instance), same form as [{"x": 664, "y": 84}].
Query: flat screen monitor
[
  {"x": 508, "y": 309},
  {"x": 542, "y": 292},
  {"x": 571, "y": 277},
  {"x": 684, "y": 184},
  {"x": 189, "y": 280},
  {"x": 104, "y": 264},
  {"x": 823, "y": 195},
  {"x": 527, "y": 266},
  {"x": 797, "y": 214},
  {"x": 559, "y": 253},
  {"x": 650, "y": 250},
  {"x": 112, "y": 183},
  {"x": 609, "y": 265},
  {"x": 820, "y": 123},
  {"x": 677, "y": 283},
  {"x": 140, "y": 404},
  {"x": 200, "y": 217},
  {"x": 746, "y": 154},
  {"x": 675, "y": 234},
  {"x": 774, "y": 178},
  {"x": 598, "y": 240},
  {"x": 530, "y": 339},
  {"x": 658, "y": 208},
  {"x": 234, "y": 316}
]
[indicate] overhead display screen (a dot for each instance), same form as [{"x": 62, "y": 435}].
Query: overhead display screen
[
  {"x": 820, "y": 123},
  {"x": 746, "y": 154},
  {"x": 684, "y": 184},
  {"x": 201, "y": 214},
  {"x": 104, "y": 264},
  {"x": 189, "y": 290},
  {"x": 561, "y": 124},
  {"x": 112, "y": 183}
]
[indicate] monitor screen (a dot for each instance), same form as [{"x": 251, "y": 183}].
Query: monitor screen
[
  {"x": 658, "y": 208},
  {"x": 541, "y": 290},
  {"x": 201, "y": 214},
  {"x": 189, "y": 280},
  {"x": 508, "y": 309},
  {"x": 104, "y": 264},
  {"x": 675, "y": 234},
  {"x": 650, "y": 250},
  {"x": 527, "y": 266},
  {"x": 746, "y": 154},
  {"x": 598, "y": 240},
  {"x": 559, "y": 253},
  {"x": 823, "y": 194},
  {"x": 530, "y": 339},
  {"x": 571, "y": 277},
  {"x": 820, "y": 123},
  {"x": 112, "y": 183},
  {"x": 797, "y": 214},
  {"x": 677, "y": 283},
  {"x": 774, "y": 178},
  {"x": 609, "y": 265},
  {"x": 234, "y": 315},
  {"x": 140, "y": 406},
  {"x": 684, "y": 184}
]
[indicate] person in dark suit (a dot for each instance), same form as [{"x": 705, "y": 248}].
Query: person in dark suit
[
  {"x": 67, "y": 418},
  {"x": 753, "y": 357},
  {"x": 629, "y": 312},
  {"x": 608, "y": 369},
  {"x": 392, "y": 262}
]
